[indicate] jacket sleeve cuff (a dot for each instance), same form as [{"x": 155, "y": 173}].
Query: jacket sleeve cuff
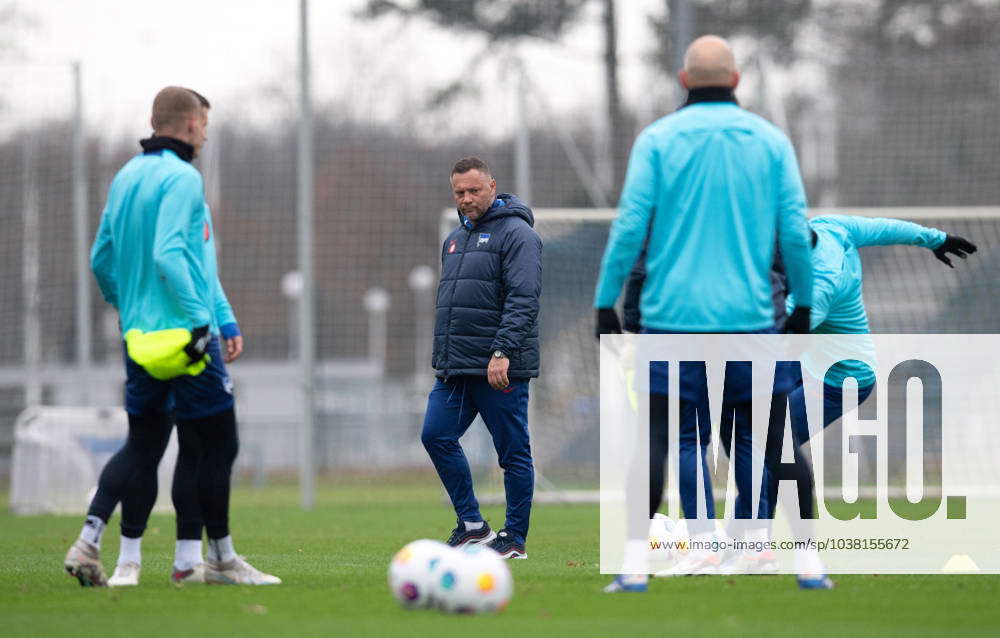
[{"x": 230, "y": 330}]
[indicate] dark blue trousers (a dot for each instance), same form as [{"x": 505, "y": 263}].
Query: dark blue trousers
[
  {"x": 452, "y": 406},
  {"x": 801, "y": 471}
]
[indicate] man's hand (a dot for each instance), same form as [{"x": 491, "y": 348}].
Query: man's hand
[
  {"x": 234, "y": 348},
  {"x": 200, "y": 338},
  {"x": 798, "y": 321},
  {"x": 955, "y": 245},
  {"x": 607, "y": 323},
  {"x": 496, "y": 372}
]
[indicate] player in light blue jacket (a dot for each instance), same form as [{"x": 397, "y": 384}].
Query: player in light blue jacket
[
  {"x": 154, "y": 260},
  {"x": 715, "y": 189},
  {"x": 154, "y": 255},
  {"x": 838, "y": 307}
]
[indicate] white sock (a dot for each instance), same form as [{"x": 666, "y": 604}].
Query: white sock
[
  {"x": 636, "y": 558},
  {"x": 187, "y": 554},
  {"x": 93, "y": 529},
  {"x": 221, "y": 549},
  {"x": 808, "y": 563},
  {"x": 471, "y": 525},
  {"x": 130, "y": 551}
]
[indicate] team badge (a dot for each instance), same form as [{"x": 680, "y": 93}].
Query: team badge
[{"x": 484, "y": 238}]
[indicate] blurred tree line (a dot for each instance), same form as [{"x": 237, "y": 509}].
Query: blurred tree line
[{"x": 890, "y": 102}]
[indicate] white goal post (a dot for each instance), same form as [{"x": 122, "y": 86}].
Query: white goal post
[{"x": 59, "y": 453}]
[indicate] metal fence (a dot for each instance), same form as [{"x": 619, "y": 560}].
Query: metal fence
[{"x": 879, "y": 117}]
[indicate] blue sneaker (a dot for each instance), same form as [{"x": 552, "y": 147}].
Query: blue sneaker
[
  {"x": 627, "y": 584},
  {"x": 508, "y": 545},
  {"x": 460, "y": 537},
  {"x": 820, "y": 582}
]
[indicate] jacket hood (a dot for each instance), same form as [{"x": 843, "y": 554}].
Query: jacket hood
[{"x": 506, "y": 205}]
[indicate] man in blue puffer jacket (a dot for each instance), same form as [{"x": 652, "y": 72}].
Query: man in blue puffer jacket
[{"x": 486, "y": 351}]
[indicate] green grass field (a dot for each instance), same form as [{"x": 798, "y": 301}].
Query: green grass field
[{"x": 333, "y": 561}]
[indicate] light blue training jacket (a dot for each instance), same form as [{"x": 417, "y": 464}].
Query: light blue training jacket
[
  {"x": 154, "y": 255},
  {"x": 838, "y": 305},
  {"x": 714, "y": 185}
]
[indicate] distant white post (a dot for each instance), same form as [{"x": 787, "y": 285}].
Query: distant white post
[
  {"x": 307, "y": 339},
  {"x": 522, "y": 136},
  {"x": 421, "y": 280},
  {"x": 30, "y": 255},
  {"x": 291, "y": 288},
  {"x": 377, "y": 303},
  {"x": 84, "y": 321}
]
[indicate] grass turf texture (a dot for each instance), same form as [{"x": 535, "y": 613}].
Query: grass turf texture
[{"x": 334, "y": 560}]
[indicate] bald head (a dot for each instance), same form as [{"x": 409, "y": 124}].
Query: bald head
[
  {"x": 709, "y": 61},
  {"x": 173, "y": 107}
]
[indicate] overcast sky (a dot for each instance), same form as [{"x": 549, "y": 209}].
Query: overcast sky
[{"x": 232, "y": 50}]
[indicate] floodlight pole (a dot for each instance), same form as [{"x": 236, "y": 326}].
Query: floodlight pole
[
  {"x": 522, "y": 137},
  {"x": 307, "y": 462},
  {"x": 80, "y": 240},
  {"x": 683, "y": 19}
]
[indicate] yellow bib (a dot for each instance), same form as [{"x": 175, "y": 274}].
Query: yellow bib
[{"x": 161, "y": 353}]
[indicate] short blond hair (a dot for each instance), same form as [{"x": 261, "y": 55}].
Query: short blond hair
[{"x": 173, "y": 105}]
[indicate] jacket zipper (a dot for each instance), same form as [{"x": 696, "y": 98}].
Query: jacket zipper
[{"x": 451, "y": 302}]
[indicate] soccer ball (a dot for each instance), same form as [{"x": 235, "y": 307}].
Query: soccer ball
[
  {"x": 413, "y": 569},
  {"x": 473, "y": 580}
]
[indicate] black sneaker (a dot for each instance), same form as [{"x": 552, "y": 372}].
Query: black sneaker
[
  {"x": 460, "y": 537},
  {"x": 507, "y": 546}
]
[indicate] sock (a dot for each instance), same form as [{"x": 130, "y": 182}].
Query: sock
[
  {"x": 471, "y": 525},
  {"x": 187, "y": 554},
  {"x": 93, "y": 529},
  {"x": 636, "y": 556},
  {"x": 808, "y": 563},
  {"x": 221, "y": 549},
  {"x": 130, "y": 551}
]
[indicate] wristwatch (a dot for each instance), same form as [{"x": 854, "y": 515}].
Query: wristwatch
[{"x": 498, "y": 354}]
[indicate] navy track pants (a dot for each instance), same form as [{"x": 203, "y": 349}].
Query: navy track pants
[{"x": 451, "y": 407}]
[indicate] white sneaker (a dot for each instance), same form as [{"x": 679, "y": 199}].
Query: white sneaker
[
  {"x": 194, "y": 574},
  {"x": 627, "y": 583},
  {"x": 83, "y": 562},
  {"x": 237, "y": 572},
  {"x": 696, "y": 563},
  {"x": 126, "y": 575},
  {"x": 765, "y": 562}
]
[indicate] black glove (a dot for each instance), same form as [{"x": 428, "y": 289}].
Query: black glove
[
  {"x": 798, "y": 321},
  {"x": 607, "y": 322},
  {"x": 196, "y": 348},
  {"x": 632, "y": 323},
  {"x": 955, "y": 245}
]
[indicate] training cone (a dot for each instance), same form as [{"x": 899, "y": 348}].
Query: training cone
[{"x": 960, "y": 563}]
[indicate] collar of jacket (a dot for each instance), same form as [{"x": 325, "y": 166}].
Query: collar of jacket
[
  {"x": 468, "y": 224},
  {"x": 710, "y": 94},
  {"x": 157, "y": 143}
]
